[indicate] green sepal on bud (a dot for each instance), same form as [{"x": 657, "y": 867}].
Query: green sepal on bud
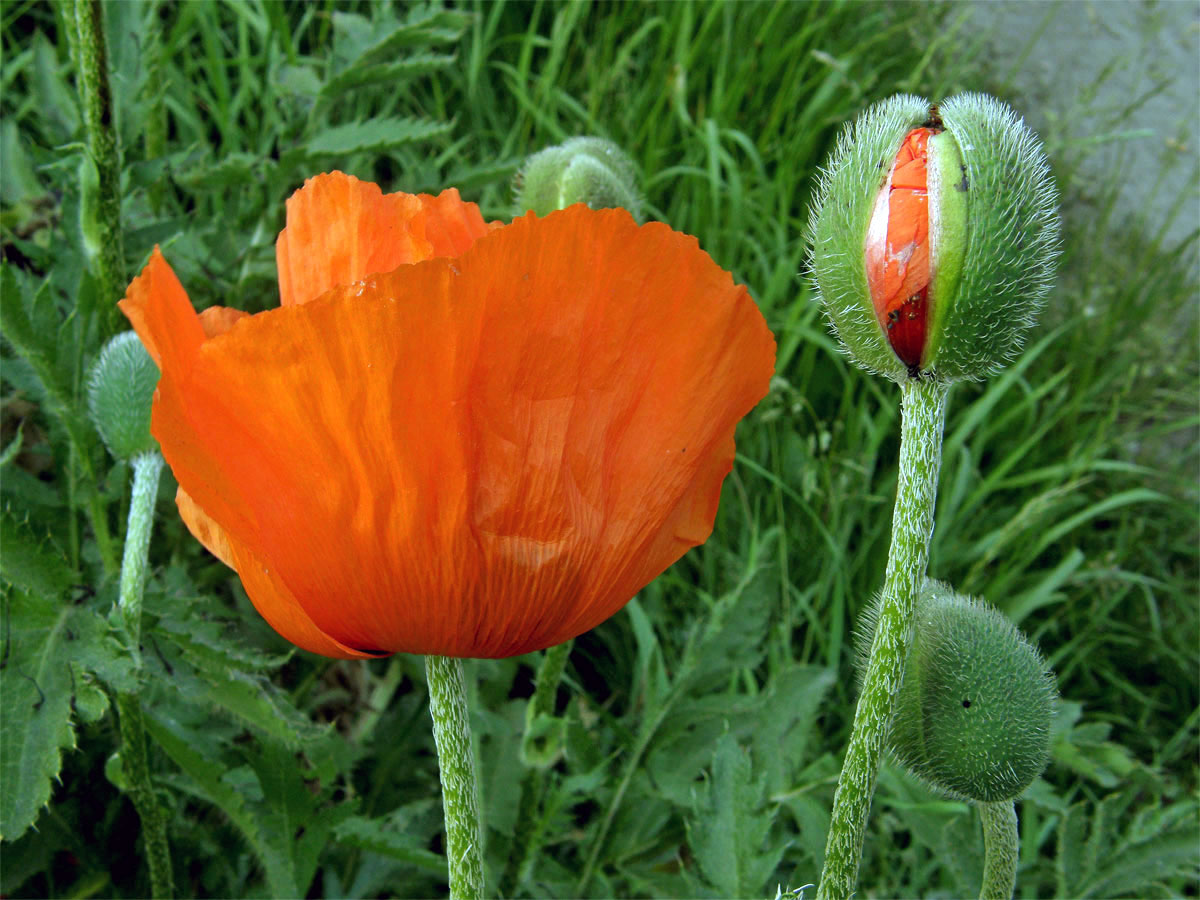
[
  {"x": 986, "y": 239},
  {"x": 587, "y": 170},
  {"x": 972, "y": 717},
  {"x": 120, "y": 391}
]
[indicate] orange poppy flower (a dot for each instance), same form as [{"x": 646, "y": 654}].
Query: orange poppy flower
[{"x": 453, "y": 439}]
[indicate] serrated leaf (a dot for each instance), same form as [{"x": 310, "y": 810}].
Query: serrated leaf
[
  {"x": 292, "y": 813},
  {"x": 375, "y": 136},
  {"x": 229, "y": 171},
  {"x": 208, "y": 783},
  {"x": 33, "y": 327},
  {"x": 1104, "y": 852},
  {"x": 729, "y": 829},
  {"x": 360, "y": 75},
  {"x": 31, "y": 562},
  {"x": 387, "y": 839},
  {"x": 359, "y": 41},
  {"x": 35, "y": 707},
  {"x": 204, "y": 675}
]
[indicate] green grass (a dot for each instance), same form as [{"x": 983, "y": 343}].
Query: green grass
[{"x": 705, "y": 724}]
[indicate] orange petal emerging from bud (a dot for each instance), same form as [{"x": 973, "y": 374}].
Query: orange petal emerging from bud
[{"x": 897, "y": 250}]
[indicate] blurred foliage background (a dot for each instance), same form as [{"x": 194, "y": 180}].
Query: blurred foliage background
[{"x": 699, "y": 733}]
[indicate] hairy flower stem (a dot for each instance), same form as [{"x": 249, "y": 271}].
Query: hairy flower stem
[
  {"x": 102, "y": 233},
  {"x": 456, "y": 763},
  {"x": 1001, "y": 849},
  {"x": 146, "y": 469},
  {"x": 923, "y": 412},
  {"x": 525, "y": 832}
]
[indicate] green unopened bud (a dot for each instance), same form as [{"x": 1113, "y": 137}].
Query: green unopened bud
[
  {"x": 934, "y": 237},
  {"x": 544, "y": 739},
  {"x": 973, "y": 713},
  {"x": 587, "y": 170},
  {"x": 120, "y": 390}
]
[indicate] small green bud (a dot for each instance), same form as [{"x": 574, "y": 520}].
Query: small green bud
[
  {"x": 114, "y": 771},
  {"x": 934, "y": 237},
  {"x": 587, "y": 170},
  {"x": 544, "y": 739},
  {"x": 973, "y": 714},
  {"x": 120, "y": 391}
]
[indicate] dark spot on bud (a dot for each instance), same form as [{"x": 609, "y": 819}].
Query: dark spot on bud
[
  {"x": 966, "y": 704},
  {"x": 962, "y": 185}
]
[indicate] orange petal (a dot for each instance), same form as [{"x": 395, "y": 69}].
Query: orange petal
[
  {"x": 340, "y": 230},
  {"x": 272, "y": 600},
  {"x": 451, "y": 226},
  {"x": 159, "y": 310},
  {"x": 495, "y": 468},
  {"x": 204, "y": 529},
  {"x": 219, "y": 319}
]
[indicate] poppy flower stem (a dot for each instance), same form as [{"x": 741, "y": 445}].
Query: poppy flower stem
[
  {"x": 146, "y": 470},
  {"x": 1001, "y": 849},
  {"x": 923, "y": 413},
  {"x": 100, "y": 216},
  {"x": 456, "y": 764}
]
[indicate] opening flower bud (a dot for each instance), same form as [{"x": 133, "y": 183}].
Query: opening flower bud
[
  {"x": 587, "y": 170},
  {"x": 934, "y": 237},
  {"x": 973, "y": 713}
]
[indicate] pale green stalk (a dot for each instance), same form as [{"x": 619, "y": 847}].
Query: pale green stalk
[
  {"x": 923, "y": 412},
  {"x": 456, "y": 765},
  {"x": 1002, "y": 849},
  {"x": 146, "y": 470}
]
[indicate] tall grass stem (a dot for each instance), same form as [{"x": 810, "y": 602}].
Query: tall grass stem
[
  {"x": 456, "y": 764},
  {"x": 923, "y": 413}
]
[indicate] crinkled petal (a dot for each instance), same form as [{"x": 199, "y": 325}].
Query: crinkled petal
[
  {"x": 341, "y": 230},
  {"x": 485, "y": 455},
  {"x": 162, "y": 315}
]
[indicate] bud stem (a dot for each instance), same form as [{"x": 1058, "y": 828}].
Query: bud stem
[
  {"x": 146, "y": 469},
  {"x": 96, "y": 97},
  {"x": 525, "y": 833},
  {"x": 456, "y": 762},
  {"x": 923, "y": 413},
  {"x": 1001, "y": 849}
]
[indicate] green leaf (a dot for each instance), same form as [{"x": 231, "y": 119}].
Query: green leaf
[
  {"x": 207, "y": 774},
  {"x": 32, "y": 563},
  {"x": 50, "y": 651},
  {"x": 274, "y": 801},
  {"x": 359, "y": 75},
  {"x": 34, "y": 328},
  {"x": 198, "y": 652},
  {"x": 375, "y": 136},
  {"x": 35, "y": 699},
  {"x": 1104, "y": 851},
  {"x": 14, "y": 446},
  {"x": 387, "y": 838},
  {"x": 729, "y": 829}
]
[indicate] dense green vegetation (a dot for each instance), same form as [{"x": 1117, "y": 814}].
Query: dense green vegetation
[{"x": 704, "y": 725}]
